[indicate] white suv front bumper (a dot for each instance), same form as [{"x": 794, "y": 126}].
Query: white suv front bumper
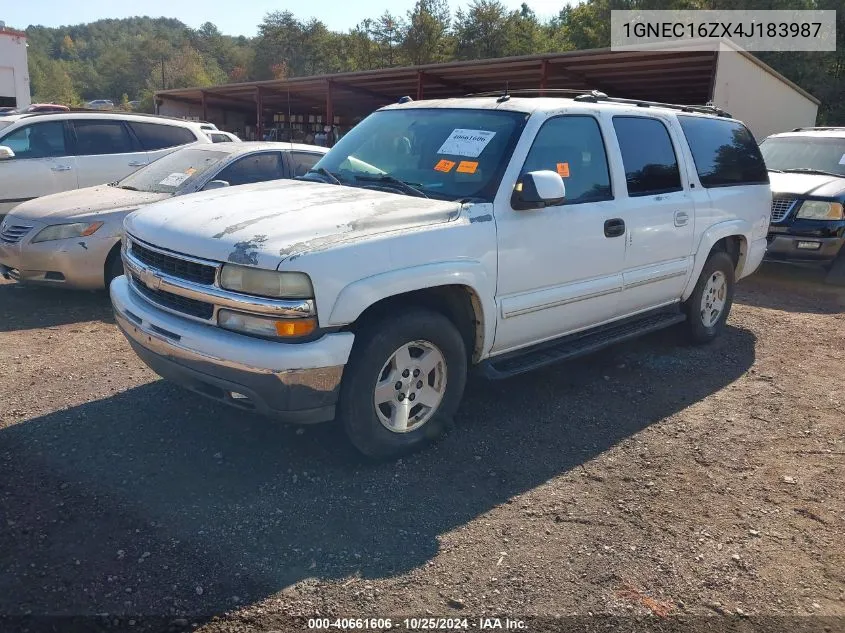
[{"x": 295, "y": 382}]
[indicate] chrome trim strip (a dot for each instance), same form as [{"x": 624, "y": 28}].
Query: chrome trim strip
[
  {"x": 283, "y": 308},
  {"x": 560, "y": 302},
  {"x": 663, "y": 277}
]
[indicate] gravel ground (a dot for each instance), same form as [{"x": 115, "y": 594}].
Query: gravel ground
[{"x": 653, "y": 483}]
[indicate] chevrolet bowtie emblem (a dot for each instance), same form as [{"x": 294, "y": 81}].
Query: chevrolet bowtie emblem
[{"x": 150, "y": 279}]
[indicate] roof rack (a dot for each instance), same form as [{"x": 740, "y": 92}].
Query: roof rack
[
  {"x": 594, "y": 96},
  {"x": 110, "y": 113},
  {"x": 820, "y": 128}
]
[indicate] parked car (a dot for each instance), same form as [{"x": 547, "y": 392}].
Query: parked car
[
  {"x": 135, "y": 104},
  {"x": 807, "y": 170},
  {"x": 100, "y": 104},
  {"x": 47, "y": 153},
  {"x": 72, "y": 239},
  {"x": 45, "y": 107},
  {"x": 506, "y": 233},
  {"x": 222, "y": 137}
]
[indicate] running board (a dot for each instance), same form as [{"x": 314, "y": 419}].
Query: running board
[{"x": 579, "y": 344}]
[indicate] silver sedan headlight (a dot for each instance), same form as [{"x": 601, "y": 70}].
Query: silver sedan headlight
[
  {"x": 266, "y": 283},
  {"x": 66, "y": 231}
]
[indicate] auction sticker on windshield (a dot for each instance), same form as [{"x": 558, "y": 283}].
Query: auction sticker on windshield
[
  {"x": 466, "y": 142},
  {"x": 175, "y": 179}
]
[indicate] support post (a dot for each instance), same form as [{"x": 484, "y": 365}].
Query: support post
[
  {"x": 259, "y": 115},
  {"x": 204, "y": 105},
  {"x": 544, "y": 77},
  {"x": 329, "y": 114},
  {"x": 420, "y": 84}
]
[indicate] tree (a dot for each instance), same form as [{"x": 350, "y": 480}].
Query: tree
[
  {"x": 481, "y": 32},
  {"x": 387, "y": 34},
  {"x": 426, "y": 37}
]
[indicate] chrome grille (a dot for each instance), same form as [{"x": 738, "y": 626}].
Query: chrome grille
[
  {"x": 780, "y": 207},
  {"x": 192, "y": 307},
  {"x": 14, "y": 233},
  {"x": 174, "y": 266}
]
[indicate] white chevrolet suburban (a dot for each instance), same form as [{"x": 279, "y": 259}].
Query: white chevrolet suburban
[{"x": 501, "y": 232}]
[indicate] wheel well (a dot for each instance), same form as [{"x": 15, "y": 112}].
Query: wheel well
[
  {"x": 113, "y": 253},
  {"x": 458, "y": 303},
  {"x": 735, "y": 246}
]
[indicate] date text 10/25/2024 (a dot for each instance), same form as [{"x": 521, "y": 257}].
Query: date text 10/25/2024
[{"x": 418, "y": 624}]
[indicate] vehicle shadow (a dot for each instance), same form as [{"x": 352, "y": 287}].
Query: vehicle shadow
[
  {"x": 31, "y": 307},
  {"x": 792, "y": 289},
  {"x": 156, "y": 502}
]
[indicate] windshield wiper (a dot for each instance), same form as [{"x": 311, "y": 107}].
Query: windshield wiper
[
  {"x": 807, "y": 170},
  {"x": 326, "y": 174},
  {"x": 407, "y": 187},
  {"x": 128, "y": 188}
]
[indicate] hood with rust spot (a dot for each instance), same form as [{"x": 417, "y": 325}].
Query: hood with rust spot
[{"x": 263, "y": 224}]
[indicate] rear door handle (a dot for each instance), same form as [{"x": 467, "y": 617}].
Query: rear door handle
[
  {"x": 614, "y": 227},
  {"x": 60, "y": 168},
  {"x": 136, "y": 163},
  {"x": 681, "y": 218}
]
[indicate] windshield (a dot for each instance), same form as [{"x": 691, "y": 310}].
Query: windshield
[
  {"x": 174, "y": 172},
  {"x": 805, "y": 152},
  {"x": 441, "y": 153}
]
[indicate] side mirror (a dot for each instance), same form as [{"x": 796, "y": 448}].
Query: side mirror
[
  {"x": 539, "y": 189},
  {"x": 215, "y": 184},
  {"x": 6, "y": 153}
]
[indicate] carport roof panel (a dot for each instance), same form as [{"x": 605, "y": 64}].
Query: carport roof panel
[{"x": 683, "y": 76}]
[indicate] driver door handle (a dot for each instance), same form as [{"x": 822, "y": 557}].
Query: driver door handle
[
  {"x": 60, "y": 168},
  {"x": 614, "y": 227}
]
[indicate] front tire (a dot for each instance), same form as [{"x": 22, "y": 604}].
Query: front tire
[
  {"x": 114, "y": 266},
  {"x": 710, "y": 302},
  {"x": 403, "y": 382}
]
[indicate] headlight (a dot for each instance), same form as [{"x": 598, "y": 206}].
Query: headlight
[
  {"x": 266, "y": 283},
  {"x": 820, "y": 210},
  {"x": 65, "y": 231},
  {"x": 264, "y": 326}
]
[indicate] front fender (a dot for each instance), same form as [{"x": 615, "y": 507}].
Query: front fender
[
  {"x": 739, "y": 227},
  {"x": 360, "y": 295}
]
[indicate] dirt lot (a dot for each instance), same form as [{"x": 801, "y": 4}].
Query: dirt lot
[{"x": 652, "y": 480}]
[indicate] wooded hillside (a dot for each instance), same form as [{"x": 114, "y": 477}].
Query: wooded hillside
[{"x": 131, "y": 58}]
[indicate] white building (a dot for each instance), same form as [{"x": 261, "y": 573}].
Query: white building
[{"x": 14, "y": 72}]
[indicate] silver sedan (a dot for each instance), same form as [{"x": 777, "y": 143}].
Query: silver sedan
[{"x": 72, "y": 239}]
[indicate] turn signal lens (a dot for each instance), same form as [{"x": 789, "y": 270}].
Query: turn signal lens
[
  {"x": 265, "y": 326},
  {"x": 295, "y": 327}
]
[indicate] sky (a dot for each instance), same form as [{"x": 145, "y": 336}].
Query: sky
[{"x": 232, "y": 17}]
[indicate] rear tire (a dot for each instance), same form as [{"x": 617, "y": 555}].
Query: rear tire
[
  {"x": 403, "y": 382},
  {"x": 710, "y": 302}
]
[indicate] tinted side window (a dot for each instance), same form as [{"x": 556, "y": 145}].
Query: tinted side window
[
  {"x": 155, "y": 136},
  {"x": 253, "y": 168},
  {"x": 573, "y": 147},
  {"x": 218, "y": 138},
  {"x": 724, "y": 152},
  {"x": 648, "y": 156},
  {"x": 301, "y": 162},
  {"x": 39, "y": 140},
  {"x": 102, "y": 137}
]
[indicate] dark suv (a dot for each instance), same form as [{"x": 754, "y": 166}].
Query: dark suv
[{"x": 807, "y": 174}]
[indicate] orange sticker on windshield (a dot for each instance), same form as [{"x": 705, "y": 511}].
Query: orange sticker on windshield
[
  {"x": 467, "y": 167},
  {"x": 563, "y": 170},
  {"x": 444, "y": 165},
  {"x": 190, "y": 171}
]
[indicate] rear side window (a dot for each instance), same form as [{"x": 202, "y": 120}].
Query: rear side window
[
  {"x": 572, "y": 145},
  {"x": 218, "y": 138},
  {"x": 253, "y": 168},
  {"x": 155, "y": 136},
  {"x": 724, "y": 152},
  {"x": 301, "y": 162},
  {"x": 651, "y": 166},
  {"x": 102, "y": 137}
]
